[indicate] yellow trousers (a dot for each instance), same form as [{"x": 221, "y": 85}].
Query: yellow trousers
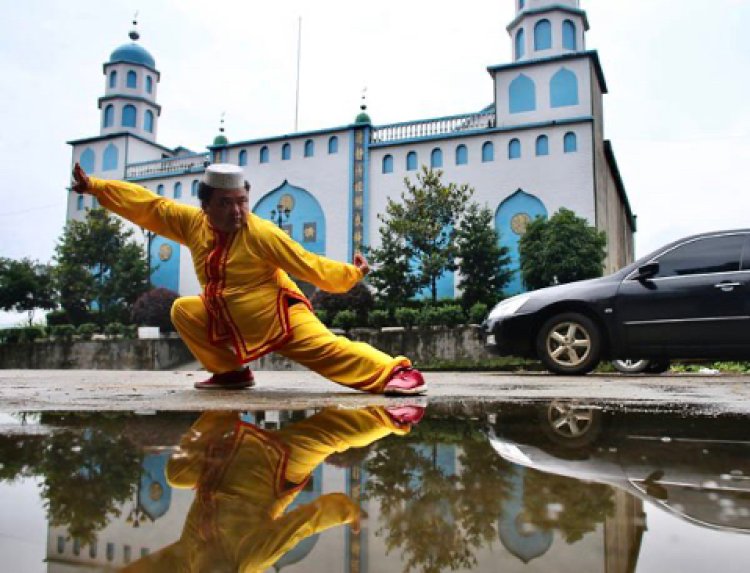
[{"x": 352, "y": 364}]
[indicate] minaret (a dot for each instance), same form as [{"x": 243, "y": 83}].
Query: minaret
[
  {"x": 129, "y": 101},
  {"x": 546, "y": 28}
]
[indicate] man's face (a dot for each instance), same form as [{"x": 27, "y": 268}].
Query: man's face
[{"x": 227, "y": 209}]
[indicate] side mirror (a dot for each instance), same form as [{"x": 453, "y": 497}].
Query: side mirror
[{"x": 647, "y": 271}]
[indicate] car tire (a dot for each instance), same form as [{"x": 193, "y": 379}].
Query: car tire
[
  {"x": 569, "y": 343},
  {"x": 571, "y": 425},
  {"x": 628, "y": 366}
]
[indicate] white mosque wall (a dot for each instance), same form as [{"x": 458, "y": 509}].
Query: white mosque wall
[{"x": 556, "y": 19}]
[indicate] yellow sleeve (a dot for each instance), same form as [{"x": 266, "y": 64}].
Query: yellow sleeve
[
  {"x": 146, "y": 209},
  {"x": 289, "y": 255}
]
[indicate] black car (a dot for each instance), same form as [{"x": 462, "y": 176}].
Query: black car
[{"x": 687, "y": 300}]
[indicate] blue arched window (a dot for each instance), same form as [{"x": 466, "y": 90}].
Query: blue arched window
[
  {"x": 521, "y": 94},
  {"x": 563, "y": 89},
  {"x": 264, "y": 154},
  {"x": 109, "y": 116},
  {"x": 149, "y": 84},
  {"x": 521, "y": 4},
  {"x": 160, "y": 189},
  {"x": 113, "y": 79},
  {"x": 411, "y": 161},
  {"x": 132, "y": 81},
  {"x": 388, "y": 164},
  {"x": 110, "y": 158},
  {"x": 569, "y": 35},
  {"x": 242, "y": 158},
  {"x": 520, "y": 44},
  {"x": 488, "y": 152},
  {"x": 194, "y": 188},
  {"x": 462, "y": 155},
  {"x": 436, "y": 158},
  {"x": 94, "y": 202},
  {"x": 309, "y": 148},
  {"x": 543, "y": 35},
  {"x": 79, "y": 203},
  {"x": 88, "y": 160},
  {"x": 128, "y": 116},
  {"x": 286, "y": 151},
  {"x": 542, "y": 145},
  {"x": 178, "y": 190},
  {"x": 333, "y": 144},
  {"x": 514, "y": 149},
  {"x": 570, "y": 142},
  {"x": 148, "y": 121}
]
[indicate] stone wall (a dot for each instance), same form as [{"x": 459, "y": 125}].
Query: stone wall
[{"x": 421, "y": 345}]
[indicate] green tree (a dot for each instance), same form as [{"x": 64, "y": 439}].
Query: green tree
[
  {"x": 561, "y": 249},
  {"x": 98, "y": 264},
  {"x": 421, "y": 229},
  {"x": 483, "y": 263},
  {"x": 392, "y": 278},
  {"x": 25, "y": 285}
]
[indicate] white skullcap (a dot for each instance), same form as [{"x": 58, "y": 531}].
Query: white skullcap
[{"x": 224, "y": 176}]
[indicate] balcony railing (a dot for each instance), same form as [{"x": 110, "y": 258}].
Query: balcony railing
[
  {"x": 432, "y": 127},
  {"x": 171, "y": 166}
]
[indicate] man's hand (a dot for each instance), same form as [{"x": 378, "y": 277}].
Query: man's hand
[
  {"x": 361, "y": 263},
  {"x": 80, "y": 180}
]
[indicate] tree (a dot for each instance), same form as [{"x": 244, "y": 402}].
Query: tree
[
  {"x": 561, "y": 249},
  {"x": 99, "y": 265},
  {"x": 482, "y": 261},
  {"x": 421, "y": 230},
  {"x": 153, "y": 308},
  {"x": 392, "y": 277},
  {"x": 25, "y": 285}
]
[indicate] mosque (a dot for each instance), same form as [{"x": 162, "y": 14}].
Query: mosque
[{"x": 536, "y": 147}]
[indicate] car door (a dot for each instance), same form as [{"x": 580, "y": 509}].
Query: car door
[{"x": 696, "y": 305}]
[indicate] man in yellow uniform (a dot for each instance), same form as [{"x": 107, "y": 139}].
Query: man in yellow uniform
[{"x": 249, "y": 306}]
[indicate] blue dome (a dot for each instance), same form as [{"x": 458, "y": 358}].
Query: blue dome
[{"x": 134, "y": 54}]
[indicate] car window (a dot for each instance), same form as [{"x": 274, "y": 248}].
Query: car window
[
  {"x": 746, "y": 254},
  {"x": 709, "y": 255}
]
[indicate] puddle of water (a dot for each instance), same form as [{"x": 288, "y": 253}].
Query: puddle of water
[{"x": 483, "y": 487}]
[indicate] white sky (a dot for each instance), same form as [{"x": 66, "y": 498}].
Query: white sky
[{"x": 678, "y": 111}]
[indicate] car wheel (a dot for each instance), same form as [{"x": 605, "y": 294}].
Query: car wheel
[
  {"x": 572, "y": 425},
  {"x": 657, "y": 366},
  {"x": 631, "y": 366},
  {"x": 569, "y": 343}
]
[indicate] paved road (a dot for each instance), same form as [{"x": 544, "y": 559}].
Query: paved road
[{"x": 32, "y": 390}]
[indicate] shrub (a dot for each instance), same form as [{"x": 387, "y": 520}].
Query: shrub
[
  {"x": 87, "y": 330},
  {"x": 359, "y": 300},
  {"x": 153, "y": 307},
  {"x": 450, "y": 315},
  {"x": 31, "y": 333},
  {"x": 114, "y": 329},
  {"x": 57, "y": 317},
  {"x": 130, "y": 331},
  {"x": 428, "y": 316},
  {"x": 63, "y": 331},
  {"x": 322, "y": 316},
  {"x": 345, "y": 319},
  {"x": 379, "y": 318},
  {"x": 405, "y": 316},
  {"x": 477, "y": 313},
  {"x": 10, "y": 335}
]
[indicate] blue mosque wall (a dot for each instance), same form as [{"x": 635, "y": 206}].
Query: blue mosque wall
[{"x": 165, "y": 263}]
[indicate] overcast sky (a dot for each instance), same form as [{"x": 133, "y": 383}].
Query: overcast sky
[{"x": 677, "y": 111}]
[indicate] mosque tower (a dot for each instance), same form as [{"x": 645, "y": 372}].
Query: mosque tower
[{"x": 544, "y": 28}]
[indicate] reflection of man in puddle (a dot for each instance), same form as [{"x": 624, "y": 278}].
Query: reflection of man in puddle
[{"x": 245, "y": 477}]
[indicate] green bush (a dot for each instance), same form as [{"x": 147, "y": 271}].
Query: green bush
[
  {"x": 359, "y": 300},
  {"x": 130, "y": 331},
  {"x": 63, "y": 331},
  {"x": 345, "y": 319},
  {"x": 10, "y": 335},
  {"x": 406, "y": 317},
  {"x": 153, "y": 309},
  {"x": 114, "y": 329},
  {"x": 322, "y": 316},
  {"x": 429, "y": 316},
  {"x": 87, "y": 330},
  {"x": 379, "y": 318},
  {"x": 477, "y": 313},
  {"x": 57, "y": 317},
  {"x": 31, "y": 333},
  {"x": 451, "y": 315}
]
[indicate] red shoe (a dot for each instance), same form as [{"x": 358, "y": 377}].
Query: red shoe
[
  {"x": 232, "y": 380},
  {"x": 406, "y": 415},
  {"x": 405, "y": 381}
]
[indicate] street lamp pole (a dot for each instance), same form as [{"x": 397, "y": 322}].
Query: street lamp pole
[{"x": 280, "y": 215}]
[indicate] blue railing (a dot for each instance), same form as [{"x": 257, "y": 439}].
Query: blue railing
[{"x": 432, "y": 127}]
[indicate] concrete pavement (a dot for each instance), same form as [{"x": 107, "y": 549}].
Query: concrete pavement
[{"x": 97, "y": 390}]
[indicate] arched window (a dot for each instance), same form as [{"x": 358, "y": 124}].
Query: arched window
[
  {"x": 543, "y": 35},
  {"x": 436, "y": 158},
  {"x": 264, "y": 154},
  {"x": 333, "y": 145},
  {"x": 520, "y": 44},
  {"x": 488, "y": 152},
  {"x": 521, "y": 94},
  {"x": 113, "y": 79},
  {"x": 132, "y": 81},
  {"x": 570, "y": 142},
  {"x": 178, "y": 190},
  {"x": 521, "y": 4},
  {"x": 242, "y": 158},
  {"x": 563, "y": 88},
  {"x": 411, "y": 161},
  {"x": 569, "y": 35},
  {"x": 309, "y": 148},
  {"x": 88, "y": 160},
  {"x": 388, "y": 164},
  {"x": 194, "y": 188},
  {"x": 148, "y": 121},
  {"x": 462, "y": 155},
  {"x": 286, "y": 151},
  {"x": 160, "y": 189},
  {"x": 149, "y": 84},
  {"x": 94, "y": 203},
  {"x": 514, "y": 149},
  {"x": 128, "y": 116},
  {"x": 542, "y": 145},
  {"x": 79, "y": 203},
  {"x": 110, "y": 158},
  {"x": 109, "y": 116}
]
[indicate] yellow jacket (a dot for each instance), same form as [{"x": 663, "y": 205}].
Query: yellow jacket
[{"x": 246, "y": 288}]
